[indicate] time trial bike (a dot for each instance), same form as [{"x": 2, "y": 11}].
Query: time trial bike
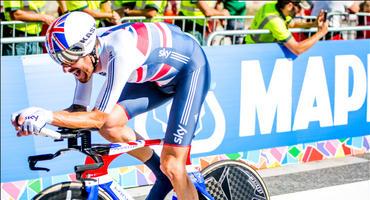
[{"x": 222, "y": 180}]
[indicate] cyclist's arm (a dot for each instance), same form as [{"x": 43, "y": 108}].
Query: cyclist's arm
[
  {"x": 108, "y": 96},
  {"x": 82, "y": 94},
  {"x": 92, "y": 119},
  {"x": 121, "y": 64}
]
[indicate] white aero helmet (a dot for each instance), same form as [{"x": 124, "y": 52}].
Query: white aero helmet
[{"x": 70, "y": 37}]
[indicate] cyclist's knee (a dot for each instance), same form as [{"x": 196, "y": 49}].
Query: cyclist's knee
[{"x": 173, "y": 168}]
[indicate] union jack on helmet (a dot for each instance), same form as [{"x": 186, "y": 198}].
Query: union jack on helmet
[{"x": 70, "y": 37}]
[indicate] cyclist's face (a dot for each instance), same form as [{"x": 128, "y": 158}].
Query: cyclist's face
[{"x": 82, "y": 69}]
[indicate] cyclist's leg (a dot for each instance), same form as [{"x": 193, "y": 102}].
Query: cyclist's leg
[
  {"x": 115, "y": 130},
  {"x": 183, "y": 118},
  {"x": 136, "y": 99},
  {"x": 173, "y": 161}
]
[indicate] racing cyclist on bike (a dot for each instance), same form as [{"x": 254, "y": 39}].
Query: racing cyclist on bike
[{"x": 146, "y": 65}]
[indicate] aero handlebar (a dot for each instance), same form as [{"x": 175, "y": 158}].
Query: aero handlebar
[{"x": 50, "y": 133}]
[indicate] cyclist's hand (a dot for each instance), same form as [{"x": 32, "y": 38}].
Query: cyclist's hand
[
  {"x": 17, "y": 118},
  {"x": 35, "y": 122},
  {"x": 31, "y": 120}
]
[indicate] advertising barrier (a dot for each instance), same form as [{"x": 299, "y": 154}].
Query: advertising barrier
[{"x": 261, "y": 96}]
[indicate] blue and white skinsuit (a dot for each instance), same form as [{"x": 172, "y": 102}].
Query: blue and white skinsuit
[{"x": 147, "y": 64}]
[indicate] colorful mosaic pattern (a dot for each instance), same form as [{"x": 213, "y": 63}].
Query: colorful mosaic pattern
[{"x": 267, "y": 158}]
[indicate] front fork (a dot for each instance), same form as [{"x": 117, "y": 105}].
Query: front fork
[
  {"x": 106, "y": 183},
  {"x": 93, "y": 179},
  {"x": 92, "y": 189}
]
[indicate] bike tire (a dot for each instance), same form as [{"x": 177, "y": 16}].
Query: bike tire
[
  {"x": 68, "y": 190},
  {"x": 234, "y": 180}
]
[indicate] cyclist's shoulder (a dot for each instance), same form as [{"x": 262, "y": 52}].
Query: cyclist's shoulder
[{"x": 118, "y": 39}]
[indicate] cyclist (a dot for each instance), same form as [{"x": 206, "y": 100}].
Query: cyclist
[{"x": 146, "y": 64}]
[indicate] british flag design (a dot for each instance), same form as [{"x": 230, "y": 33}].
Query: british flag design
[{"x": 57, "y": 41}]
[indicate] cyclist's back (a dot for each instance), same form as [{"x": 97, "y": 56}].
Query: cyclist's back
[
  {"x": 154, "y": 44},
  {"x": 138, "y": 52}
]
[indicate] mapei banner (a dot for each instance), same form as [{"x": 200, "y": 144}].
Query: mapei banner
[{"x": 261, "y": 96}]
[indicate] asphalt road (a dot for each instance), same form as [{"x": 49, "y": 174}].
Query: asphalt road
[{"x": 334, "y": 177}]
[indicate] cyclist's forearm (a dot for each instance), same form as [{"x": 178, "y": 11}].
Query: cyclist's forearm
[{"x": 93, "y": 119}]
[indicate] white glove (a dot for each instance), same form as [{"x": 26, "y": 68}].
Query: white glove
[
  {"x": 34, "y": 122},
  {"x": 23, "y": 112},
  {"x": 35, "y": 118}
]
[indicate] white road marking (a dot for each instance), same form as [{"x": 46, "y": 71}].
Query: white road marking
[{"x": 353, "y": 191}]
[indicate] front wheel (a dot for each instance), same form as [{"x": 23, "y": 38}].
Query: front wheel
[
  {"x": 234, "y": 180},
  {"x": 67, "y": 190}
]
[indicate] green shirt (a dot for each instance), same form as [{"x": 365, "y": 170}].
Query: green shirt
[
  {"x": 268, "y": 17},
  {"x": 159, "y": 6},
  {"x": 80, "y": 5},
  {"x": 235, "y": 7},
  {"x": 36, "y": 6},
  {"x": 190, "y": 8}
]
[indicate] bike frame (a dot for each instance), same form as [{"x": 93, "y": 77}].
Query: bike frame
[
  {"x": 99, "y": 178},
  {"x": 94, "y": 173}
]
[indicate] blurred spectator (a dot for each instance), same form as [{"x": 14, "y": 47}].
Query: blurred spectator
[
  {"x": 62, "y": 9},
  {"x": 235, "y": 8},
  {"x": 27, "y": 11},
  {"x": 197, "y": 8},
  {"x": 276, "y": 17},
  {"x": 170, "y": 10},
  {"x": 364, "y": 20},
  {"x": 301, "y": 18},
  {"x": 100, "y": 10},
  {"x": 148, "y": 9},
  {"x": 2, "y": 16},
  {"x": 337, "y": 11}
]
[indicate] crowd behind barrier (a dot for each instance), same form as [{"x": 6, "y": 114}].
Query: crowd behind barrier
[{"x": 357, "y": 28}]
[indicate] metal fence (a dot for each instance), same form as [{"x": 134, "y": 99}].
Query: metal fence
[
  {"x": 215, "y": 32},
  {"x": 10, "y": 35},
  {"x": 224, "y": 34}
]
